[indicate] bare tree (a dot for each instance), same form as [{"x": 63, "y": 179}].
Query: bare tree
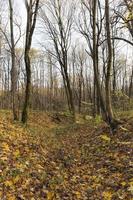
[
  {"x": 13, "y": 69},
  {"x": 12, "y": 42},
  {"x": 58, "y": 27},
  {"x": 92, "y": 33},
  {"x": 32, "y": 7},
  {"x": 90, "y": 26},
  {"x": 109, "y": 65},
  {"x": 123, "y": 16}
]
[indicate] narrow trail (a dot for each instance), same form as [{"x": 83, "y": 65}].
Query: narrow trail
[{"x": 63, "y": 161}]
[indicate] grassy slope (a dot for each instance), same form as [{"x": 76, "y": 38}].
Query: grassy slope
[{"x": 48, "y": 159}]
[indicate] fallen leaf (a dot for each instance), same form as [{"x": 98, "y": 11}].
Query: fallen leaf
[
  {"x": 107, "y": 195},
  {"x": 8, "y": 183},
  {"x": 5, "y": 146},
  {"x": 16, "y": 153},
  {"x": 50, "y": 196},
  {"x": 78, "y": 194},
  {"x": 105, "y": 138}
]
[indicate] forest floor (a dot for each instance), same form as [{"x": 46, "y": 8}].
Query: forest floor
[{"x": 53, "y": 159}]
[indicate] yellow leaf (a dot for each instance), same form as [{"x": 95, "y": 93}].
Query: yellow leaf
[
  {"x": 78, "y": 194},
  {"x": 16, "y": 179},
  {"x": 1, "y": 194},
  {"x": 131, "y": 183},
  {"x": 123, "y": 183},
  {"x": 5, "y": 146},
  {"x": 105, "y": 138},
  {"x": 10, "y": 197},
  {"x": 50, "y": 196},
  {"x": 107, "y": 195},
  {"x": 16, "y": 153},
  {"x": 26, "y": 183},
  {"x": 131, "y": 189},
  {"x": 8, "y": 183}
]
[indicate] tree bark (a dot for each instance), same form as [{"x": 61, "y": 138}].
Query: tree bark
[
  {"x": 32, "y": 10},
  {"x": 95, "y": 64},
  {"x": 13, "y": 68},
  {"x": 109, "y": 64}
]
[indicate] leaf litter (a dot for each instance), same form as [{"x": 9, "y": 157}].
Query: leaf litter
[{"x": 64, "y": 161}]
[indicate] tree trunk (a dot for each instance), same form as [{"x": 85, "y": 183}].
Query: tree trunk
[
  {"x": 28, "y": 88},
  {"x": 131, "y": 85},
  {"x": 95, "y": 65},
  {"x": 13, "y": 69},
  {"x": 69, "y": 94},
  {"x": 109, "y": 64},
  {"x": 31, "y": 23}
]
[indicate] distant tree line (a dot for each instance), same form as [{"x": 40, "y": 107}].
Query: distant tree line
[{"x": 82, "y": 62}]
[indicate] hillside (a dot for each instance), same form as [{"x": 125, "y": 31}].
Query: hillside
[{"x": 51, "y": 158}]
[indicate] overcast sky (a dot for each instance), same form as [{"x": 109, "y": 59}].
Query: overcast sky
[{"x": 20, "y": 10}]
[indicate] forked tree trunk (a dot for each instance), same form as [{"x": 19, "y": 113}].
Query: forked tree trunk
[
  {"x": 111, "y": 120},
  {"x": 95, "y": 62},
  {"x": 32, "y": 10},
  {"x": 105, "y": 106}
]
